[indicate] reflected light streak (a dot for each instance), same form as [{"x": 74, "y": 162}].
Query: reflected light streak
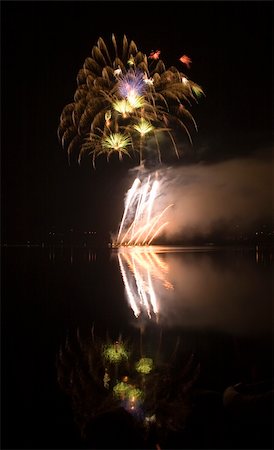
[
  {"x": 144, "y": 275},
  {"x": 130, "y": 294}
]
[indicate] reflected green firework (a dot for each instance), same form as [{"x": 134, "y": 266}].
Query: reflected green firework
[
  {"x": 134, "y": 394},
  {"x": 144, "y": 365},
  {"x": 115, "y": 353},
  {"x": 121, "y": 390},
  {"x": 101, "y": 377},
  {"x": 127, "y": 391}
]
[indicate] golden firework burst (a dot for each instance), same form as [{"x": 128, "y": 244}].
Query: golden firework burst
[
  {"x": 143, "y": 127},
  {"x": 122, "y": 106}
]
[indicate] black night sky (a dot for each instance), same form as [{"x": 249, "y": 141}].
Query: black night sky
[
  {"x": 215, "y": 312},
  {"x": 44, "y": 44}
]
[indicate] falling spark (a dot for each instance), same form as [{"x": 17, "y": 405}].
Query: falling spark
[
  {"x": 150, "y": 227},
  {"x": 186, "y": 60},
  {"x": 155, "y": 55},
  {"x": 197, "y": 90},
  {"x": 157, "y": 232}
]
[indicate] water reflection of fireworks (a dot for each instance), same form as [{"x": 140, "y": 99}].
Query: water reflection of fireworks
[{"x": 144, "y": 275}]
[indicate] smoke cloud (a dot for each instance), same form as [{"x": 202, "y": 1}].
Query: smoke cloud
[{"x": 237, "y": 192}]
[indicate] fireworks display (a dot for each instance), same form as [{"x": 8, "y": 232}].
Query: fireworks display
[
  {"x": 122, "y": 99},
  {"x": 141, "y": 221}
]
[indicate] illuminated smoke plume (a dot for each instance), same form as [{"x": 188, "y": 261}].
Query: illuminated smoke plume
[{"x": 235, "y": 192}]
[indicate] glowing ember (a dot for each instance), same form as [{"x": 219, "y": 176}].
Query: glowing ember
[
  {"x": 186, "y": 60},
  {"x": 155, "y": 55}
]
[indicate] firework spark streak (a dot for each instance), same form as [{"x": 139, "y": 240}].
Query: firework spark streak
[
  {"x": 141, "y": 221},
  {"x": 144, "y": 275},
  {"x": 129, "y": 198}
]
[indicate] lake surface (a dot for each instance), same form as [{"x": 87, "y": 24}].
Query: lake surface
[{"x": 213, "y": 303}]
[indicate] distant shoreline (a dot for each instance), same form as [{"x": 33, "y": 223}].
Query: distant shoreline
[{"x": 161, "y": 247}]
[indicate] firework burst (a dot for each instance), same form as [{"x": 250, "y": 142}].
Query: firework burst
[
  {"x": 143, "y": 127},
  {"x": 122, "y": 106},
  {"x": 116, "y": 142},
  {"x": 131, "y": 83},
  {"x": 116, "y": 92}
]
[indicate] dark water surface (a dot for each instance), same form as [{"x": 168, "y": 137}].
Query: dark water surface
[{"x": 215, "y": 303}]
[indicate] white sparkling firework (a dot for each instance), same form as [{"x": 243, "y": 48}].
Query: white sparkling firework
[{"x": 141, "y": 221}]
